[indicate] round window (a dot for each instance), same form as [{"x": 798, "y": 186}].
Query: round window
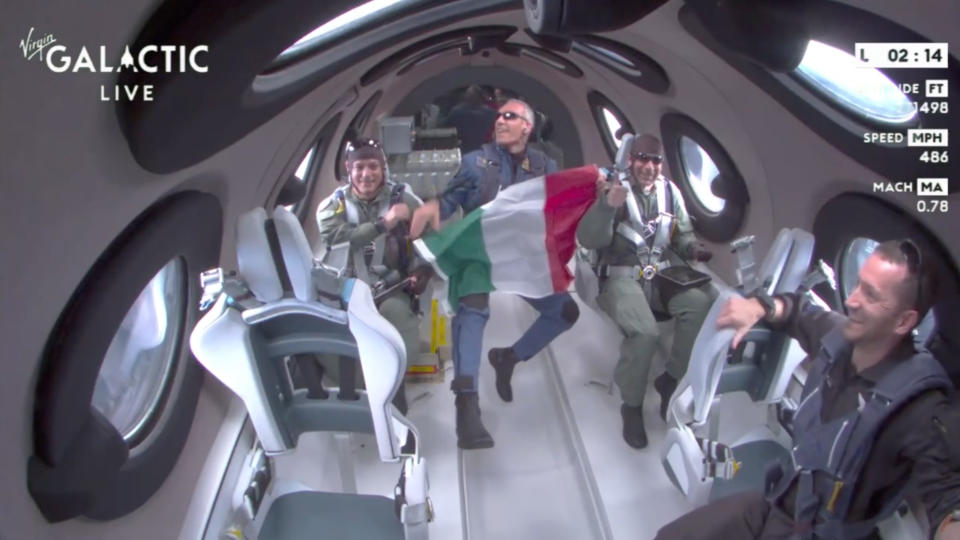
[
  {"x": 845, "y": 80},
  {"x": 140, "y": 358},
  {"x": 701, "y": 171}
]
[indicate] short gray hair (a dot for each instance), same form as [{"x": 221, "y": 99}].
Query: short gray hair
[{"x": 527, "y": 109}]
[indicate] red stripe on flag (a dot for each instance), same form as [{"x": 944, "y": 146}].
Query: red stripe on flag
[{"x": 569, "y": 194}]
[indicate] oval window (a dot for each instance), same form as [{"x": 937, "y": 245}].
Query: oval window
[
  {"x": 301, "y": 172},
  {"x": 701, "y": 172},
  {"x": 301, "y": 175},
  {"x": 365, "y": 13},
  {"x": 140, "y": 358},
  {"x": 845, "y": 80},
  {"x": 613, "y": 126}
]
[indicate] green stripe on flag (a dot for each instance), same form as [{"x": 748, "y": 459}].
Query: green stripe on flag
[{"x": 460, "y": 253}]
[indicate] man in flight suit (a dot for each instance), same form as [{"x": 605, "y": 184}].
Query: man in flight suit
[
  {"x": 369, "y": 213},
  {"x": 481, "y": 176},
  {"x": 874, "y": 416},
  {"x": 631, "y": 250}
]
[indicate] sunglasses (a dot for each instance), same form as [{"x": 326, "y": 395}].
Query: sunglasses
[
  {"x": 509, "y": 115},
  {"x": 644, "y": 157},
  {"x": 363, "y": 143},
  {"x": 911, "y": 253}
]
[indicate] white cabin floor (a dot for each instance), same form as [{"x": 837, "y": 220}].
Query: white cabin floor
[{"x": 532, "y": 484}]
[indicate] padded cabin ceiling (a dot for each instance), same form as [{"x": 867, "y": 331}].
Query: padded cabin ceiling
[{"x": 198, "y": 114}]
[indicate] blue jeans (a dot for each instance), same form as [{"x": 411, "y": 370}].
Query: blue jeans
[{"x": 558, "y": 312}]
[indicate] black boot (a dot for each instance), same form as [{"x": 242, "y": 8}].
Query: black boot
[
  {"x": 633, "y": 431},
  {"x": 470, "y": 431},
  {"x": 503, "y": 361},
  {"x": 665, "y": 385}
]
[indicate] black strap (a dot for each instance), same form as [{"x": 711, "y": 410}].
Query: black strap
[
  {"x": 348, "y": 379},
  {"x": 311, "y": 370},
  {"x": 271, "y": 229}
]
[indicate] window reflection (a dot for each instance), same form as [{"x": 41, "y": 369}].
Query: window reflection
[
  {"x": 302, "y": 169},
  {"x": 701, "y": 172},
  {"x": 613, "y": 126},
  {"x": 844, "y": 79},
  {"x": 140, "y": 357}
]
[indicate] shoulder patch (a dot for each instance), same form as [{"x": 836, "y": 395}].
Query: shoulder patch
[{"x": 482, "y": 162}]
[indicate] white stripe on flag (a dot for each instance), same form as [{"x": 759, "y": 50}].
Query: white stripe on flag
[{"x": 514, "y": 232}]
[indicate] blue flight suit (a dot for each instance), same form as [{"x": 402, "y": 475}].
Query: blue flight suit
[{"x": 481, "y": 176}]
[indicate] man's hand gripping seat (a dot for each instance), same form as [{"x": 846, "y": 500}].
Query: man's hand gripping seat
[{"x": 693, "y": 462}]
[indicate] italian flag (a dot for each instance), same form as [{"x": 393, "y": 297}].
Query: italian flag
[{"x": 520, "y": 242}]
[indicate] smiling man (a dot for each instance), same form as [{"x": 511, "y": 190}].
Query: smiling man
[
  {"x": 483, "y": 173},
  {"x": 633, "y": 251},
  {"x": 369, "y": 213},
  {"x": 874, "y": 416}
]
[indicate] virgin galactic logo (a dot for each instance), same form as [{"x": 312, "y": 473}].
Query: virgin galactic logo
[{"x": 148, "y": 59}]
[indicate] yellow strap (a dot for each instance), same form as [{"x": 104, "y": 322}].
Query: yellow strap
[
  {"x": 422, "y": 369},
  {"x": 434, "y": 332},
  {"x": 442, "y": 338},
  {"x": 836, "y": 493}
]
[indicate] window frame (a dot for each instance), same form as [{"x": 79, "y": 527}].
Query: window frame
[
  {"x": 856, "y": 116},
  {"x": 840, "y": 25},
  {"x": 147, "y": 420},
  {"x": 81, "y": 465},
  {"x": 598, "y": 102},
  {"x": 720, "y": 226},
  {"x": 640, "y": 70}
]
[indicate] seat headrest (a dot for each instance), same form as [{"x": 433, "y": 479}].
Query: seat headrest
[
  {"x": 296, "y": 253},
  {"x": 254, "y": 258},
  {"x": 787, "y": 261}
]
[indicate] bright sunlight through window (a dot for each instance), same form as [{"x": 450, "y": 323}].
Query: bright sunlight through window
[{"x": 857, "y": 87}]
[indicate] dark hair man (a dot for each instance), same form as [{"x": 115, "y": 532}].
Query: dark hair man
[
  {"x": 482, "y": 174},
  {"x": 871, "y": 417},
  {"x": 472, "y": 119},
  {"x": 632, "y": 249}
]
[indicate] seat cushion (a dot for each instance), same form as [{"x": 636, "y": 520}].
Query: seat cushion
[
  {"x": 754, "y": 457},
  {"x": 312, "y": 515}
]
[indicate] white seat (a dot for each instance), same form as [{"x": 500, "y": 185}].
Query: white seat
[
  {"x": 244, "y": 344},
  {"x": 709, "y": 374}
]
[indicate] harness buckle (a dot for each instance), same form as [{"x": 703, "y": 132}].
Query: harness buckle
[
  {"x": 648, "y": 272},
  {"x": 211, "y": 281}
]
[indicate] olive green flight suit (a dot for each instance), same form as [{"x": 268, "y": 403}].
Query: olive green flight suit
[
  {"x": 334, "y": 229},
  {"x": 623, "y": 298}
]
